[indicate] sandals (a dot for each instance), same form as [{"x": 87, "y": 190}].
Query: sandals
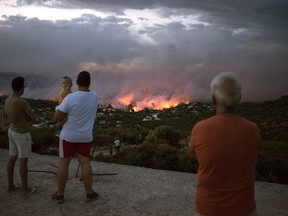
[
  {"x": 58, "y": 198},
  {"x": 90, "y": 197},
  {"x": 31, "y": 191}
]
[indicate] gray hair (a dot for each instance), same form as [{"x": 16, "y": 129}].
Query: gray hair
[{"x": 226, "y": 89}]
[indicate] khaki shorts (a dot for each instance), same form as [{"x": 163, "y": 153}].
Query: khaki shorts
[{"x": 19, "y": 144}]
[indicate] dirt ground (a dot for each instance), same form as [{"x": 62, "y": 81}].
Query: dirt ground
[{"x": 134, "y": 191}]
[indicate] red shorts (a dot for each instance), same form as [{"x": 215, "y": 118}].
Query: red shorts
[{"x": 68, "y": 149}]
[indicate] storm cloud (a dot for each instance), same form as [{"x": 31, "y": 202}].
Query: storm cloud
[{"x": 153, "y": 49}]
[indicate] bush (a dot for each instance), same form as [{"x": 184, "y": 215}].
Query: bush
[
  {"x": 127, "y": 135},
  {"x": 4, "y": 141},
  {"x": 161, "y": 156},
  {"x": 43, "y": 139},
  {"x": 272, "y": 163},
  {"x": 163, "y": 135},
  {"x": 102, "y": 139},
  {"x": 187, "y": 162},
  {"x": 152, "y": 139}
]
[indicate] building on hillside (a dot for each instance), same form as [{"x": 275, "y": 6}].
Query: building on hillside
[
  {"x": 4, "y": 122},
  {"x": 156, "y": 116},
  {"x": 148, "y": 118}
]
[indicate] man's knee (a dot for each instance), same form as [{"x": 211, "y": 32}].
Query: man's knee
[
  {"x": 83, "y": 160},
  {"x": 65, "y": 161},
  {"x": 23, "y": 160},
  {"x": 13, "y": 158}
]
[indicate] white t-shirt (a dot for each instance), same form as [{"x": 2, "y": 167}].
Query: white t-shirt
[
  {"x": 81, "y": 108},
  {"x": 117, "y": 142}
]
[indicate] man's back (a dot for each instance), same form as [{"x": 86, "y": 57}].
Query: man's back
[
  {"x": 81, "y": 108},
  {"x": 15, "y": 109},
  {"x": 226, "y": 147}
]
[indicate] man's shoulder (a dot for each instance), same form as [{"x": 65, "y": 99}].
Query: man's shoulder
[
  {"x": 237, "y": 119},
  {"x": 22, "y": 101},
  {"x": 15, "y": 99},
  {"x": 82, "y": 93},
  {"x": 207, "y": 120},
  {"x": 249, "y": 122},
  {"x": 217, "y": 119},
  {"x": 8, "y": 99},
  {"x": 80, "y": 96}
]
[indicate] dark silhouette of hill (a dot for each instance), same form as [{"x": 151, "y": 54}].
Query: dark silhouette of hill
[
  {"x": 37, "y": 86},
  {"x": 270, "y": 116}
]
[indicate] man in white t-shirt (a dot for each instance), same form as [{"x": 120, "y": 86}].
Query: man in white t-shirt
[
  {"x": 117, "y": 145},
  {"x": 76, "y": 135}
]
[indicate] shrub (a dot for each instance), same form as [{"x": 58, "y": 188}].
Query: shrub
[
  {"x": 163, "y": 135},
  {"x": 152, "y": 139},
  {"x": 187, "y": 162},
  {"x": 161, "y": 156},
  {"x": 272, "y": 163},
  {"x": 102, "y": 139},
  {"x": 4, "y": 142},
  {"x": 169, "y": 134},
  {"x": 43, "y": 139},
  {"x": 127, "y": 135}
]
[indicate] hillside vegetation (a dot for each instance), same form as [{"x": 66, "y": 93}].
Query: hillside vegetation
[{"x": 159, "y": 138}]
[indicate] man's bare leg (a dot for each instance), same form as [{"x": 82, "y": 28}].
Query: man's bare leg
[
  {"x": 87, "y": 173},
  {"x": 62, "y": 175},
  {"x": 10, "y": 172},
  {"x": 23, "y": 170}
]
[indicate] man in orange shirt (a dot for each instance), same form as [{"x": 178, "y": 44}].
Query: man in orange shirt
[{"x": 226, "y": 147}]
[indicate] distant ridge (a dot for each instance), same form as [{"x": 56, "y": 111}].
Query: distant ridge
[{"x": 37, "y": 86}]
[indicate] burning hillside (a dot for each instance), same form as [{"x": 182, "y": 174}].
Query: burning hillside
[
  {"x": 157, "y": 102},
  {"x": 134, "y": 95}
]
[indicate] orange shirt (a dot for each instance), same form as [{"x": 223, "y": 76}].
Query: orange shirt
[
  {"x": 63, "y": 93},
  {"x": 226, "y": 147}
]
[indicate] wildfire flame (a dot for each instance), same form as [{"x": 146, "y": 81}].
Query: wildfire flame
[
  {"x": 156, "y": 102},
  {"x": 126, "y": 99}
]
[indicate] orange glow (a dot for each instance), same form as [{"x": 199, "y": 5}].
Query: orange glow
[
  {"x": 126, "y": 99},
  {"x": 157, "y": 102},
  {"x": 52, "y": 98},
  {"x": 1, "y": 94}
]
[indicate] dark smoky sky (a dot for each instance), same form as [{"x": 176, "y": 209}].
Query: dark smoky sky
[{"x": 162, "y": 48}]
